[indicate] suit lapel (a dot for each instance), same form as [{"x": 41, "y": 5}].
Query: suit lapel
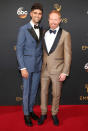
[
  {"x": 56, "y": 41},
  {"x": 41, "y": 34},
  {"x": 44, "y": 43},
  {"x": 54, "y": 44},
  {"x": 33, "y": 33}
]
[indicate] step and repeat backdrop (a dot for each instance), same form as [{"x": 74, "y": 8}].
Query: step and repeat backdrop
[{"x": 14, "y": 14}]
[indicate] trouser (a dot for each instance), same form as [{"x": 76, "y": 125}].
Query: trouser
[
  {"x": 46, "y": 77},
  {"x": 30, "y": 87}
]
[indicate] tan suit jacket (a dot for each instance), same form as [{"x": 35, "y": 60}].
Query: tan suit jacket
[{"x": 58, "y": 60}]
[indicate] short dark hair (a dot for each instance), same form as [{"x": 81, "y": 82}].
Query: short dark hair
[{"x": 37, "y": 6}]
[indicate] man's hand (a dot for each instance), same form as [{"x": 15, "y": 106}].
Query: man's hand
[
  {"x": 24, "y": 73},
  {"x": 62, "y": 77}
]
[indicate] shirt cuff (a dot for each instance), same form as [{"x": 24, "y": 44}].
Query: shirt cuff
[
  {"x": 65, "y": 74},
  {"x": 22, "y": 68}
]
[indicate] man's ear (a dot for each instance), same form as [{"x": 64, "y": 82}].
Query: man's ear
[
  {"x": 31, "y": 13},
  {"x": 48, "y": 18},
  {"x": 60, "y": 20}
]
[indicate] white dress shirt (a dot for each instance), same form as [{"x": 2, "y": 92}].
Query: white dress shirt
[
  {"x": 50, "y": 38},
  {"x": 36, "y": 30}
]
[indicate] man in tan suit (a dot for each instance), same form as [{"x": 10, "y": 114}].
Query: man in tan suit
[{"x": 56, "y": 64}]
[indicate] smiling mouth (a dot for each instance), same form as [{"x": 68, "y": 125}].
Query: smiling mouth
[{"x": 53, "y": 24}]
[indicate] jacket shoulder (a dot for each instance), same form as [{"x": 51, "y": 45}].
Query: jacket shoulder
[
  {"x": 65, "y": 32},
  {"x": 24, "y": 26}
]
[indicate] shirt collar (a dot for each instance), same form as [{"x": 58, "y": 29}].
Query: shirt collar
[{"x": 32, "y": 24}]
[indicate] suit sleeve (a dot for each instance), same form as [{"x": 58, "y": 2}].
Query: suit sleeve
[
  {"x": 67, "y": 54},
  {"x": 20, "y": 47}
]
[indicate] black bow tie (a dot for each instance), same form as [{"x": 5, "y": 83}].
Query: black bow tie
[
  {"x": 52, "y": 31},
  {"x": 36, "y": 26}
]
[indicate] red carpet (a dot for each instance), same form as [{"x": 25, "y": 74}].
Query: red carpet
[{"x": 72, "y": 118}]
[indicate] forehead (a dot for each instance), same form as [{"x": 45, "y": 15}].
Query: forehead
[
  {"x": 54, "y": 15},
  {"x": 37, "y": 11}
]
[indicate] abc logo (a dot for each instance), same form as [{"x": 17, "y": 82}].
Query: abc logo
[
  {"x": 22, "y": 13},
  {"x": 86, "y": 67}
]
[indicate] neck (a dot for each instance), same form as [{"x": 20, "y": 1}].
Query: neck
[{"x": 35, "y": 23}]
